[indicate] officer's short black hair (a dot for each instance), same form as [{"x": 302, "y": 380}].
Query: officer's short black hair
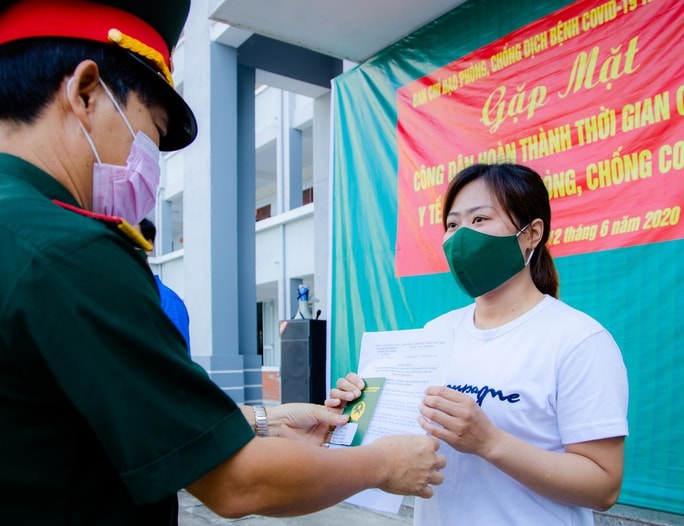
[{"x": 32, "y": 70}]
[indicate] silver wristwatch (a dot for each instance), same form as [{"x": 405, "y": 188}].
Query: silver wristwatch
[{"x": 260, "y": 421}]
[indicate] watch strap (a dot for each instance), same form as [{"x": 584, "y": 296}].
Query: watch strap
[{"x": 260, "y": 421}]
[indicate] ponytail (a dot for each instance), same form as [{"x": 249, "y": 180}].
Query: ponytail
[{"x": 543, "y": 270}]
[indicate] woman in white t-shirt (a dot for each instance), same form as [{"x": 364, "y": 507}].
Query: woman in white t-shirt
[{"x": 533, "y": 415}]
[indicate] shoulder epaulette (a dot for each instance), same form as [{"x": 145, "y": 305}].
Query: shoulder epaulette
[{"x": 117, "y": 224}]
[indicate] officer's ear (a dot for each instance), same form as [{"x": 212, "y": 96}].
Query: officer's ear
[{"x": 79, "y": 89}]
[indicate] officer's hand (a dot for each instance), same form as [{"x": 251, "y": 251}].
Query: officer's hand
[
  {"x": 304, "y": 422},
  {"x": 413, "y": 464}
]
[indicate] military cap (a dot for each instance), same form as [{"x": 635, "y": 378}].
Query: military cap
[{"x": 147, "y": 30}]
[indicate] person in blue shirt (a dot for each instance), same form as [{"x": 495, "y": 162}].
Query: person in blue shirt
[{"x": 171, "y": 303}]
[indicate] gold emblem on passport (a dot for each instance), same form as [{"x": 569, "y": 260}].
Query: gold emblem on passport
[{"x": 357, "y": 411}]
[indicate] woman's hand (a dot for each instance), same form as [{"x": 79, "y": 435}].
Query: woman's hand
[
  {"x": 348, "y": 388},
  {"x": 456, "y": 419}
]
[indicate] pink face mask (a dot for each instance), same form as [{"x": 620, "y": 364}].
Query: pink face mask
[{"x": 127, "y": 191}]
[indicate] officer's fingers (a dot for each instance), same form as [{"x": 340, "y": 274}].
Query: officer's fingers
[{"x": 331, "y": 418}]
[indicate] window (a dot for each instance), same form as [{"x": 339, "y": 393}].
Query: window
[
  {"x": 263, "y": 212},
  {"x": 307, "y": 196}
]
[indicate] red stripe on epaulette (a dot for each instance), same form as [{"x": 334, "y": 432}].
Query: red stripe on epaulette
[
  {"x": 116, "y": 224},
  {"x": 102, "y": 217}
]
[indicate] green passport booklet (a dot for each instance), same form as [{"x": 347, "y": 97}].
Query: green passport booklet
[{"x": 360, "y": 412}]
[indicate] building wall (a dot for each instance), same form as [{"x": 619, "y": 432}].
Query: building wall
[{"x": 191, "y": 229}]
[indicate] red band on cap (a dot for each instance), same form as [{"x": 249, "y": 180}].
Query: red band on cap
[{"x": 75, "y": 19}]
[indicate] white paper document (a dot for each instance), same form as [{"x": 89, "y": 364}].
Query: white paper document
[{"x": 410, "y": 361}]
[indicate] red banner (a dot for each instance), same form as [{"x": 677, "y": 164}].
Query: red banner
[{"x": 591, "y": 97}]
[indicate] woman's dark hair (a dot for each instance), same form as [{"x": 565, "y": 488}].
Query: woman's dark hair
[
  {"x": 32, "y": 70},
  {"x": 524, "y": 197}
]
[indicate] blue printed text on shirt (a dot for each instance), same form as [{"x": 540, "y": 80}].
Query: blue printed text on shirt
[{"x": 482, "y": 393}]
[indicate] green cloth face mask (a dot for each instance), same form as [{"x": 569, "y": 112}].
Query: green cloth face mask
[{"x": 481, "y": 262}]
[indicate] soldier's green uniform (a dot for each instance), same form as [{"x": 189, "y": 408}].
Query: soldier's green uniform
[{"x": 102, "y": 411}]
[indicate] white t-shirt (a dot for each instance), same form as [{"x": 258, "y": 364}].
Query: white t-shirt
[{"x": 553, "y": 376}]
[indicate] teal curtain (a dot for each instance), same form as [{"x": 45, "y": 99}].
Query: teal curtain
[{"x": 636, "y": 293}]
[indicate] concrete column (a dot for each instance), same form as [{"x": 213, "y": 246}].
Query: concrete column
[
  {"x": 164, "y": 225},
  {"x": 246, "y": 237},
  {"x": 293, "y": 147},
  {"x": 322, "y": 185},
  {"x": 219, "y": 265},
  {"x": 289, "y": 158},
  {"x": 322, "y": 202}
]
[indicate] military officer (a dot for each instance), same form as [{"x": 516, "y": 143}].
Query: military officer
[{"x": 103, "y": 415}]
